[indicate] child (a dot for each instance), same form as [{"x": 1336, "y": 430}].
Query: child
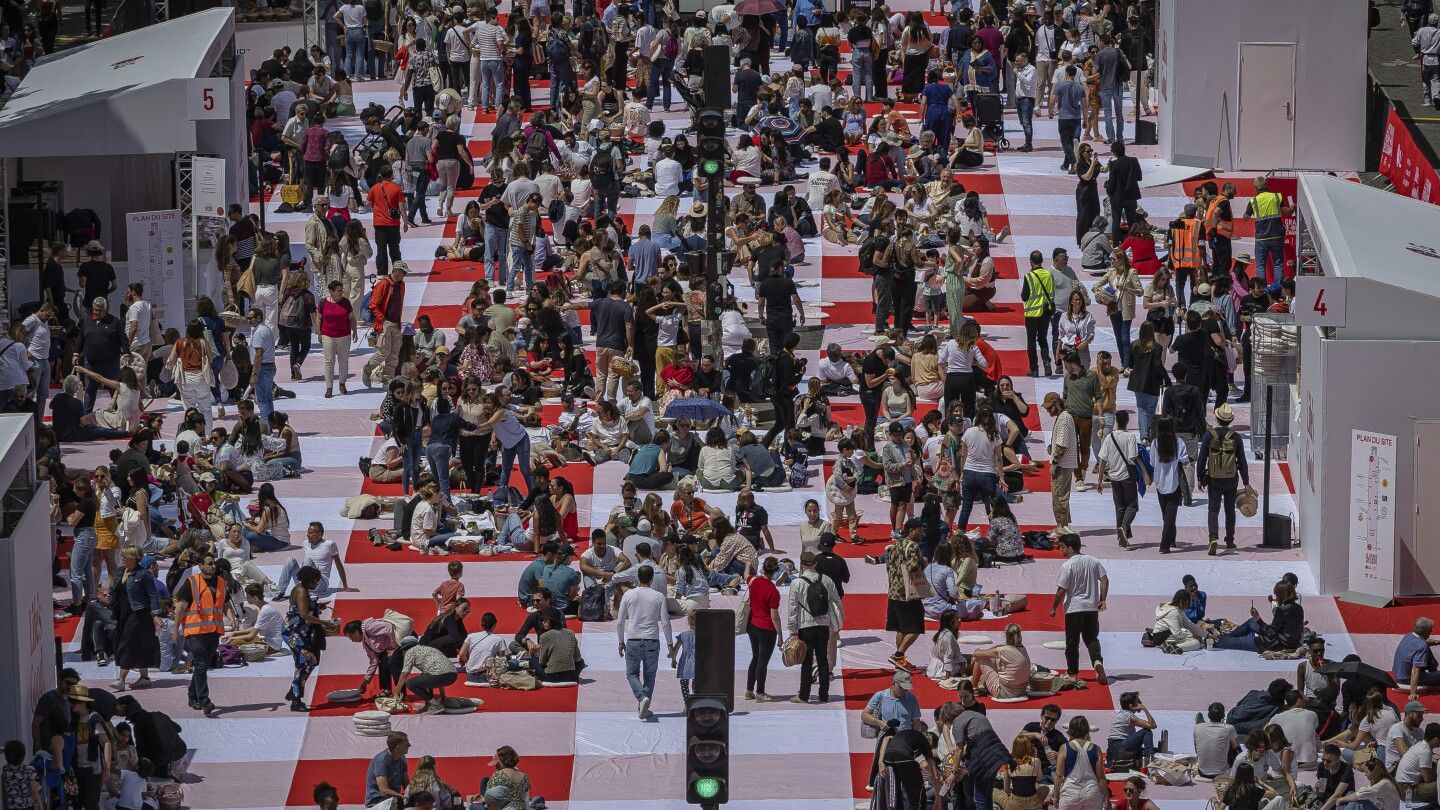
[
  {"x": 840, "y": 489},
  {"x": 934, "y": 296},
  {"x": 796, "y": 457},
  {"x": 451, "y": 589},
  {"x": 135, "y": 786},
  {"x": 684, "y": 644},
  {"x": 21, "y": 784},
  {"x": 171, "y": 654}
]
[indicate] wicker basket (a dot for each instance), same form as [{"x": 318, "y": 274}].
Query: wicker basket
[{"x": 254, "y": 653}]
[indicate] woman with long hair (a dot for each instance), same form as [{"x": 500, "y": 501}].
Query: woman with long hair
[
  {"x": 190, "y": 365},
  {"x": 305, "y": 633},
  {"x": 136, "y": 604},
  {"x": 1077, "y": 329},
  {"x": 268, "y": 529},
  {"x": 692, "y": 582},
  {"x": 1003, "y": 670},
  {"x": 1087, "y": 190},
  {"x": 427, "y": 779},
  {"x": 962, "y": 361},
  {"x": 1282, "y": 632},
  {"x": 1244, "y": 792},
  {"x": 124, "y": 411},
  {"x": 979, "y": 279},
  {"x": 297, "y": 318},
  {"x": 356, "y": 253},
  {"x": 1147, "y": 375},
  {"x": 1019, "y": 788},
  {"x": 764, "y": 628},
  {"x": 981, "y": 461},
  {"x": 1170, "y": 458},
  {"x": 446, "y": 632},
  {"x": 1120, "y": 285},
  {"x": 946, "y": 660}
]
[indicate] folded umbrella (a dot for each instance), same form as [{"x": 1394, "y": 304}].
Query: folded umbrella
[
  {"x": 698, "y": 409},
  {"x": 1359, "y": 669}
]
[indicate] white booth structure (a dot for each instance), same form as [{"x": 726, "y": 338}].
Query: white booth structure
[
  {"x": 115, "y": 126},
  {"x": 27, "y": 620},
  {"x": 1238, "y": 79},
  {"x": 1365, "y": 437}
]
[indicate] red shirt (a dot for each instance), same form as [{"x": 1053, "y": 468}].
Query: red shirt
[
  {"x": 335, "y": 318},
  {"x": 384, "y": 196},
  {"x": 1142, "y": 254},
  {"x": 764, "y": 597}
]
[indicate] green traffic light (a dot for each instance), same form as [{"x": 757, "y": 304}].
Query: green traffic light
[
  {"x": 711, "y": 167},
  {"x": 707, "y": 787}
]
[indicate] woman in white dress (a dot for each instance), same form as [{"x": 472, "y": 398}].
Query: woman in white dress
[
  {"x": 124, "y": 410},
  {"x": 1080, "y": 770}
]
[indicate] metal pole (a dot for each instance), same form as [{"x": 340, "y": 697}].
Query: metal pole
[
  {"x": 714, "y": 242},
  {"x": 1269, "y": 432}
]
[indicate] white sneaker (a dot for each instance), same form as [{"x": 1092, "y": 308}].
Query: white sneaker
[{"x": 644, "y": 708}]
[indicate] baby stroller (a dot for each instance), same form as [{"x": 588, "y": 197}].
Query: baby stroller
[{"x": 990, "y": 115}]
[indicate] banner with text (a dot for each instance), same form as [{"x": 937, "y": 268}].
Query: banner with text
[
  {"x": 1372, "y": 513},
  {"x": 156, "y": 259},
  {"x": 1403, "y": 164}
]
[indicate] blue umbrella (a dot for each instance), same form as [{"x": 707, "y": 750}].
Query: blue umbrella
[{"x": 699, "y": 409}]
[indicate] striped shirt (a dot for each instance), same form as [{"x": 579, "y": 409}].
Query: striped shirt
[
  {"x": 485, "y": 39},
  {"x": 522, "y": 227}
]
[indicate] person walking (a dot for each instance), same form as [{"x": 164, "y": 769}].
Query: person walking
[
  {"x": 1221, "y": 468},
  {"x": 1185, "y": 403},
  {"x": 1082, "y": 392},
  {"x": 1426, "y": 43},
  {"x": 814, "y": 616},
  {"x": 1122, "y": 185},
  {"x": 905, "y": 612},
  {"x": 1025, "y": 92},
  {"x": 1068, "y": 98},
  {"x": 262, "y": 365},
  {"x": 1117, "y": 457},
  {"x": 1114, "y": 73},
  {"x": 642, "y": 613},
  {"x": 387, "y": 307},
  {"x": 387, "y": 207},
  {"x": 1037, "y": 290},
  {"x": 1064, "y": 460},
  {"x": 201, "y": 602},
  {"x": 1170, "y": 459},
  {"x": 1082, "y": 586}
]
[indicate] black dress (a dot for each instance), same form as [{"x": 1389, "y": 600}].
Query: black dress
[
  {"x": 1087, "y": 200},
  {"x": 138, "y": 647}
]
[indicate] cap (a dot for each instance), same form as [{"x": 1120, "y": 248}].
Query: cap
[
  {"x": 400, "y": 266},
  {"x": 1202, "y": 289},
  {"x": 828, "y": 540},
  {"x": 1415, "y": 706},
  {"x": 1225, "y": 413},
  {"x": 749, "y": 181},
  {"x": 914, "y": 523},
  {"x": 1051, "y": 399},
  {"x": 147, "y": 561},
  {"x": 499, "y": 794},
  {"x": 903, "y": 680},
  {"x": 94, "y": 246},
  {"x": 643, "y": 526}
]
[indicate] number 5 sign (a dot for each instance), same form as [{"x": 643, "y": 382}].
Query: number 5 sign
[
  {"x": 1319, "y": 301},
  {"x": 208, "y": 99}
]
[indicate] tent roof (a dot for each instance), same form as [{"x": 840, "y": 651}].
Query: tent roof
[
  {"x": 1363, "y": 232},
  {"x": 115, "y": 96}
]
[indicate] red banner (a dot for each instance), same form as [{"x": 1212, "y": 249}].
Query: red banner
[
  {"x": 1288, "y": 188},
  {"x": 1403, "y": 164}
]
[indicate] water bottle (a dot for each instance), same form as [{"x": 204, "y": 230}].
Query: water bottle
[{"x": 995, "y": 606}]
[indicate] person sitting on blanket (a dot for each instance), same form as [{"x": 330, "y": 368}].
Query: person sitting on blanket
[
  {"x": 1003, "y": 670},
  {"x": 1173, "y": 626}
]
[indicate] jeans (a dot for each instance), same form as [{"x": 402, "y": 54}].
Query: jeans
[
  {"x": 762, "y": 646},
  {"x": 606, "y": 200},
  {"x": 1122, "y": 337},
  {"x": 42, "y": 386},
  {"x": 492, "y": 79},
  {"x": 421, "y": 178},
  {"x": 660, "y": 82},
  {"x": 1241, "y": 638},
  {"x": 1140, "y": 741},
  {"x": 265, "y": 390},
  {"x": 1025, "y": 108},
  {"x": 410, "y": 452},
  {"x": 1145, "y": 409},
  {"x": 355, "y": 48},
  {"x": 975, "y": 485},
  {"x": 522, "y": 260},
  {"x": 817, "y": 641},
  {"x": 1222, "y": 493},
  {"x": 642, "y": 654},
  {"x": 263, "y": 541},
  {"x": 424, "y": 686},
  {"x": 1126, "y": 504},
  {"x": 982, "y": 791},
  {"x": 202, "y": 650},
  {"x": 497, "y": 259},
  {"x": 439, "y": 456},
  {"x": 861, "y": 70},
  {"x": 82, "y": 579},
  {"x": 508, "y": 455},
  {"x": 1112, "y": 107},
  {"x": 1069, "y": 134},
  {"x": 1270, "y": 253}
]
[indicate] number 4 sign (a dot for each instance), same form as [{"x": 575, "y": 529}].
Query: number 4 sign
[
  {"x": 1319, "y": 301},
  {"x": 208, "y": 99}
]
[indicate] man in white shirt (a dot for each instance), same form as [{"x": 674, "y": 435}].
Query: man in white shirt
[
  {"x": 282, "y": 99},
  {"x": 638, "y": 413},
  {"x": 642, "y": 612},
  {"x": 1214, "y": 743},
  {"x": 1416, "y": 772},
  {"x": 1117, "y": 453},
  {"x": 322, "y": 555},
  {"x": 1300, "y": 726},
  {"x": 37, "y": 328},
  {"x": 819, "y": 93},
  {"x": 668, "y": 173},
  {"x": 821, "y": 182},
  {"x": 1047, "y": 47},
  {"x": 1083, "y": 586},
  {"x": 812, "y": 628},
  {"x": 1405, "y": 733},
  {"x": 457, "y": 49},
  {"x": 601, "y": 561},
  {"x": 262, "y": 376},
  {"x": 137, "y": 320},
  {"x": 837, "y": 375},
  {"x": 1025, "y": 91},
  {"x": 641, "y": 556}
]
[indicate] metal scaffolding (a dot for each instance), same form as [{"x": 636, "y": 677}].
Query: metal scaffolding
[
  {"x": 4, "y": 246},
  {"x": 189, "y": 246}
]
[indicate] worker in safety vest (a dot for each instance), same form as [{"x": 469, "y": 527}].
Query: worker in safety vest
[
  {"x": 201, "y": 603},
  {"x": 1183, "y": 243},
  {"x": 1269, "y": 209},
  {"x": 1037, "y": 290},
  {"x": 1220, "y": 230}
]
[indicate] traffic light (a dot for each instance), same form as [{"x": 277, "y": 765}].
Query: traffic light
[
  {"x": 707, "y": 751},
  {"x": 714, "y": 297},
  {"x": 710, "y": 144}
]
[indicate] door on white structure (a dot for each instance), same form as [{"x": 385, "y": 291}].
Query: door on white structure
[
  {"x": 1265, "y": 129},
  {"x": 1423, "y": 550}
]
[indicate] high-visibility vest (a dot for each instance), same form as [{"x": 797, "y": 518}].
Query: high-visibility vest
[
  {"x": 207, "y": 608},
  {"x": 1266, "y": 208},
  {"x": 1042, "y": 293},
  {"x": 1184, "y": 244},
  {"x": 1223, "y": 228}
]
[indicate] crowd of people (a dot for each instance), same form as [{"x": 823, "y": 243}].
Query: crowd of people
[{"x": 163, "y": 568}]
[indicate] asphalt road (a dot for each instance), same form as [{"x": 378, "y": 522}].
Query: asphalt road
[{"x": 1395, "y": 67}]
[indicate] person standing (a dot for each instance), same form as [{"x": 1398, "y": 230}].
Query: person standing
[
  {"x": 905, "y": 612},
  {"x": 1117, "y": 465},
  {"x": 387, "y": 202},
  {"x": 1069, "y": 98},
  {"x": 200, "y": 605},
  {"x": 614, "y": 321},
  {"x": 102, "y": 343},
  {"x": 813, "y": 616},
  {"x": 37, "y": 331},
  {"x": 1268, "y": 209},
  {"x": 1025, "y": 90},
  {"x": 1114, "y": 72},
  {"x": 1220, "y": 229},
  {"x": 643, "y": 610},
  {"x": 387, "y": 307},
  {"x": 1037, "y": 290},
  {"x": 1082, "y": 586},
  {"x": 778, "y": 302},
  {"x": 487, "y": 70},
  {"x": 1082, "y": 393},
  {"x": 787, "y": 383},
  {"x": 1170, "y": 460},
  {"x": 1221, "y": 468},
  {"x": 1064, "y": 460},
  {"x": 1123, "y": 187},
  {"x": 352, "y": 18},
  {"x": 262, "y": 365},
  {"x": 1426, "y": 43}
]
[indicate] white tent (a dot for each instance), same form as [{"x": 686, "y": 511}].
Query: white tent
[
  {"x": 110, "y": 123},
  {"x": 1378, "y": 372}
]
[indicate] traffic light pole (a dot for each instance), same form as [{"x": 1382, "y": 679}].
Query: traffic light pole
[{"x": 714, "y": 243}]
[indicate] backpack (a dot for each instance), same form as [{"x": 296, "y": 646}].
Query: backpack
[
  {"x": 536, "y": 146},
  {"x": 294, "y": 315},
  {"x": 602, "y": 164},
  {"x": 404, "y": 512},
  {"x": 671, "y": 49},
  {"x": 1223, "y": 459},
  {"x": 506, "y": 496},
  {"x": 871, "y": 246},
  {"x": 592, "y": 604},
  {"x": 557, "y": 49},
  {"x": 762, "y": 384},
  {"x": 1182, "y": 409},
  {"x": 230, "y": 656},
  {"x": 339, "y": 156},
  {"x": 817, "y": 599}
]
